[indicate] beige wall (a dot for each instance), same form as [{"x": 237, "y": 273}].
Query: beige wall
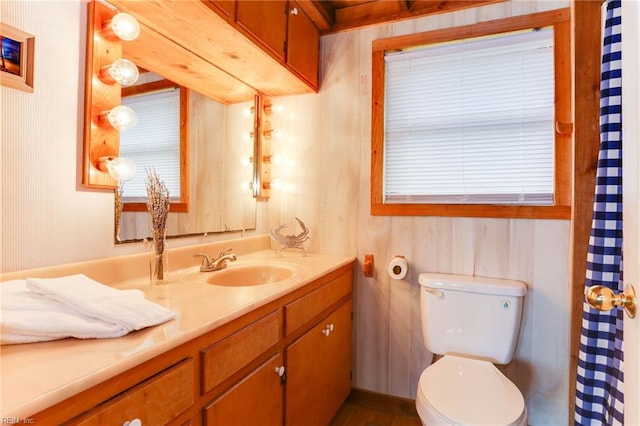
[
  {"x": 47, "y": 218},
  {"x": 389, "y": 354}
]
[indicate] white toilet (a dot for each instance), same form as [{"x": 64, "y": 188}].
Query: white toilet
[{"x": 474, "y": 322}]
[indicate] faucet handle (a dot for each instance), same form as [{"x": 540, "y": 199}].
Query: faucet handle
[
  {"x": 224, "y": 252},
  {"x": 206, "y": 262}
]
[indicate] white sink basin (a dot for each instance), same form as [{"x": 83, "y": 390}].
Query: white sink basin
[{"x": 250, "y": 275}]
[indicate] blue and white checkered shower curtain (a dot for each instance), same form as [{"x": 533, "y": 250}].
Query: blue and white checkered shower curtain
[{"x": 599, "y": 393}]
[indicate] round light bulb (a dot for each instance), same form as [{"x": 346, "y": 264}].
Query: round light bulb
[
  {"x": 121, "y": 169},
  {"x": 125, "y": 26},
  {"x": 124, "y": 72},
  {"x": 122, "y": 118}
]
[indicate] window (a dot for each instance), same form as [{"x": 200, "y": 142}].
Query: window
[
  {"x": 472, "y": 121},
  {"x": 159, "y": 140}
]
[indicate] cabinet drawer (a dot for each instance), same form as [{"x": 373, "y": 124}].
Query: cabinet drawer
[
  {"x": 156, "y": 401},
  {"x": 228, "y": 356},
  {"x": 304, "y": 309}
]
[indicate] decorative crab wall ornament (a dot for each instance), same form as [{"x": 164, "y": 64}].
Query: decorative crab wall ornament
[{"x": 290, "y": 241}]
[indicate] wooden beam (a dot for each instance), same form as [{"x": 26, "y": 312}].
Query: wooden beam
[
  {"x": 586, "y": 23},
  {"x": 321, "y": 13},
  {"x": 383, "y": 12}
]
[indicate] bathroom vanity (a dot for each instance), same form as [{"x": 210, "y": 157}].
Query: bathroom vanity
[{"x": 277, "y": 353}]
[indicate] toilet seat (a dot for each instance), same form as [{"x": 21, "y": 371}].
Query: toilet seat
[{"x": 464, "y": 391}]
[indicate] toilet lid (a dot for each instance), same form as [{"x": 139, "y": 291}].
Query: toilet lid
[{"x": 471, "y": 391}]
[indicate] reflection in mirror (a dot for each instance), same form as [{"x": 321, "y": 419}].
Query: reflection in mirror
[
  {"x": 220, "y": 198},
  {"x": 217, "y": 142},
  {"x": 160, "y": 141}
]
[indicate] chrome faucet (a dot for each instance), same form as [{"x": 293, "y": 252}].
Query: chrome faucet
[{"x": 209, "y": 265}]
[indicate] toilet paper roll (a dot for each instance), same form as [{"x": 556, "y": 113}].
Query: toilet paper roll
[{"x": 398, "y": 268}]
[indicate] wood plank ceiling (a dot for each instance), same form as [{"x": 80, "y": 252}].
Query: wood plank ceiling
[{"x": 332, "y": 16}]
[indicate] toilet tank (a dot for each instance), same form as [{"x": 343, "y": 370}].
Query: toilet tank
[{"x": 471, "y": 316}]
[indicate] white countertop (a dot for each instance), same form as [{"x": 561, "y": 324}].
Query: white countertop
[{"x": 36, "y": 376}]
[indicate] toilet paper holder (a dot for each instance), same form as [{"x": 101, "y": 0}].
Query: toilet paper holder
[{"x": 398, "y": 267}]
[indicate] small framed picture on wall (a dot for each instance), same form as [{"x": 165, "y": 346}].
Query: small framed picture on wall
[{"x": 16, "y": 56}]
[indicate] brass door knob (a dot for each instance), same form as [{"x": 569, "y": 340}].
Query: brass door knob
[{"x": 604, "y": 299}]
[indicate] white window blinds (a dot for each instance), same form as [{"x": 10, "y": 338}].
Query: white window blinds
[
  {"x": 153, "y": 142},
  {"x": 471, "y": 122}
]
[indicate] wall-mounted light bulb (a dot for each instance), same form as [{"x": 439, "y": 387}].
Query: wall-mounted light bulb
[
  {"x": 273, "y": 133},
  {"x": 122, "y": 71},
  {"x": 273, "y": 108},
  {"x": 120, "y": 168},
  {"x": 247, "y": 161},
  {"x": 122, "y": 118},
  {"x": 125, "y": 26}
]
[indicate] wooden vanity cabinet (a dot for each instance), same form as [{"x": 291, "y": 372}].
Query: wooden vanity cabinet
[
  {"x": 319, "y": 370},
  {"x": 309, "y": 384},
  {"x": 318, "y": 360},
  {"x": 286, "y": 362}
]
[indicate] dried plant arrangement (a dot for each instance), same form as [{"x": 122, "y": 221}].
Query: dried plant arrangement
[
  {"x": 117, "y": 211},
  {"x": 158, "y": 206}
]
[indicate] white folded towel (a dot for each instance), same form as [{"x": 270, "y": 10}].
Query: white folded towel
[
  {"x": 38, "y": 310},
  {"x": 81, "y": 294},
  {"x": 26, "y": 317}
]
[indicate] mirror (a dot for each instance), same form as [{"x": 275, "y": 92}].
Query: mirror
[
  {"x": 217, "y": 127},
  {"x": 220, "y": 199}
]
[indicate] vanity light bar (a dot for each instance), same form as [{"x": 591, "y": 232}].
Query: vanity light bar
[{"x": 104, "y": 116}]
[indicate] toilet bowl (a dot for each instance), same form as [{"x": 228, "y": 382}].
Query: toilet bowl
[
  {"x": 474, "y": 322},
  {"x": 464, "y": 391}
]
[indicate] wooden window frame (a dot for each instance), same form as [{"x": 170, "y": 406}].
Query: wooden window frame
[
  {"x": 181, "y": 206},
  {"x": 560, "y": 20}
]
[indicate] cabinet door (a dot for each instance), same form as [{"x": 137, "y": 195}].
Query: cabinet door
[
  {"x": 224, "y": 8},
  {"x": 265, "y": 22},
  {"x": 319, "y": 371},
  {"x": 256, "y": 400},
  {"x": 303, "y": 44}
]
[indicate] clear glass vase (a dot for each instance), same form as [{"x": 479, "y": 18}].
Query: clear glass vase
[{"x": 159, "y": 260}]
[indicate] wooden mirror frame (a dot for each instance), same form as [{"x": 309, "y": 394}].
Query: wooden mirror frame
[{"x": 100, "y": 139}]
